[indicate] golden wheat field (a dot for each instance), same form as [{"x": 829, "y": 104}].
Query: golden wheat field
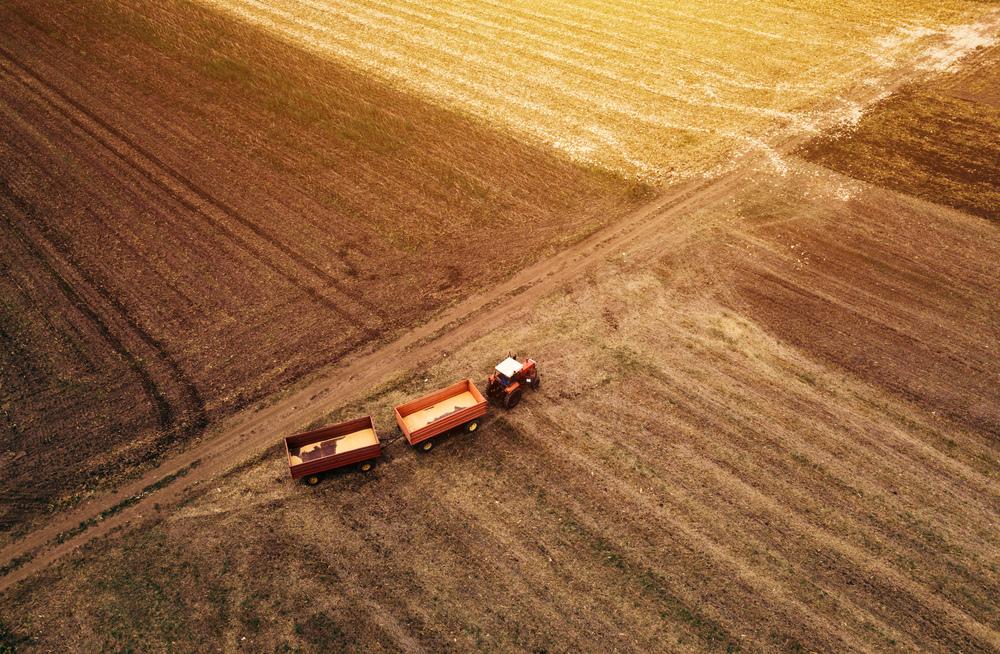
[{"x": 654, "y": 90}]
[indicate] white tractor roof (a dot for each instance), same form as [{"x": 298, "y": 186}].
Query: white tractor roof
[{"x": 509, "y": 367}]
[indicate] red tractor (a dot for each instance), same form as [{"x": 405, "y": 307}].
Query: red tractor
[{"x": 508, "y": 380}]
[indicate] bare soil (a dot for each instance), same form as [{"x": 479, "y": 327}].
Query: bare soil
[
  {"x": 936, "y": 140},
  {"x": 196, "y": 216}
]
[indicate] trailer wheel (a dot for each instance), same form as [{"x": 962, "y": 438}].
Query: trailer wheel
[
  {"x": 312, "y": 480},
  {"x": 426, "y": 445},
  {"x": 472, "y": 426},
  {"x": 366, "y": 466},
  {"x": 512, "y": 399}
]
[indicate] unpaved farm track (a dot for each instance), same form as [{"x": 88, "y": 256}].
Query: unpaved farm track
[
  {"x": 654, "y": 228},
  {"x": 247, "y": 433}
]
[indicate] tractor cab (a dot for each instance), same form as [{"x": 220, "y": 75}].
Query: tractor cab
[
  {"x": 507, "y": 370},
  {"x": 508, "y": 377}
]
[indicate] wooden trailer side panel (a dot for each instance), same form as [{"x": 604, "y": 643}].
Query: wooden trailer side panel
[
  {"x": 299, "y": 468},
  {"x": 333, "y": 462},
  {"x": 446, "y": 422}
]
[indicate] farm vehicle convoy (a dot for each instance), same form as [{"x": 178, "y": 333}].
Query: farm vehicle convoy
[{"x": 459, "y": 406}]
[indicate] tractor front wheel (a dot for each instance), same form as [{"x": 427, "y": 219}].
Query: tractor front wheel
[
  {"x": 536, "y": 382},
  {"x": 512, "y": 399}
]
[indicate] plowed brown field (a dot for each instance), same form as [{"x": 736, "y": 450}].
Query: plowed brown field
[
  {"x": 769, "y": 409},
  {"x": 195, "y": 217},
  {"x": 937, "y": 140}
]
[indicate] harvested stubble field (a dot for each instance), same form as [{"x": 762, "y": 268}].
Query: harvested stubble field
[
  {"x": 768, "y": 419},
  {"x": 701, "y": 471},
  {"x": 655, "y": 90}
]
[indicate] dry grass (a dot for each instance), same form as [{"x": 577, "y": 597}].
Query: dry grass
[{"x": 654, "y": 90}]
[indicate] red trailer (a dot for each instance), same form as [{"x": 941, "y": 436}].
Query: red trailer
[
  {"x": 460, "y": 404},
  {"x": 336, "y": 446}
]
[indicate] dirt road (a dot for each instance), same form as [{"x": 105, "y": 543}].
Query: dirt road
[{"x": 241, "y": 436}]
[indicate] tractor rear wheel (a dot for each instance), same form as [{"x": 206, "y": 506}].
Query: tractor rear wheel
[{"x": 512, "y": 399}]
